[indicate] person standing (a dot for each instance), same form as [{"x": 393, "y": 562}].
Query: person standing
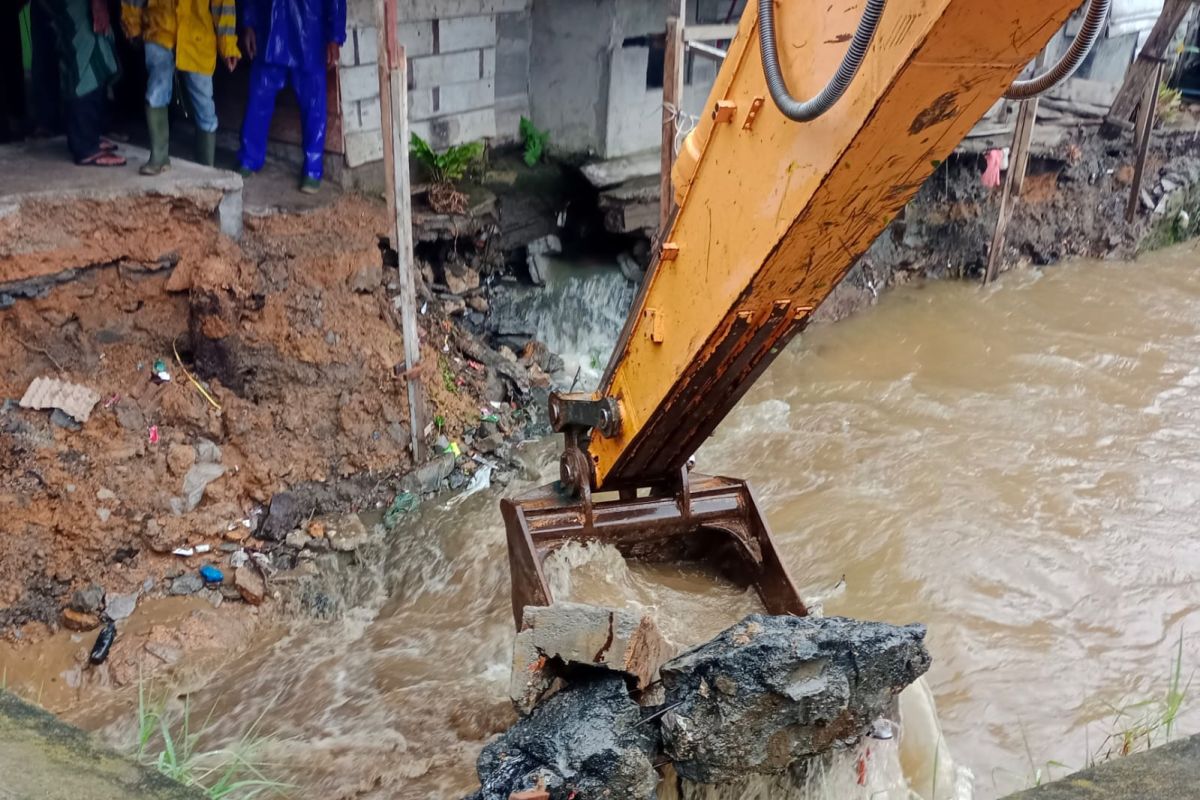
[
  {"x": 294, "y": 41},
  {"x": 184, "y": 36},
  {"x": 87, "y": 63}
]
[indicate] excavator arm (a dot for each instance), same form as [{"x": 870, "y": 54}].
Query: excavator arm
[{"x": 771, "y": 215}]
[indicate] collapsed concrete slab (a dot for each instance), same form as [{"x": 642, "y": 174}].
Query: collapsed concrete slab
[
  {"x": 771, "y": 690},
  {"x": 558, "y": 637},
  {"x": 587, "y": 741}
]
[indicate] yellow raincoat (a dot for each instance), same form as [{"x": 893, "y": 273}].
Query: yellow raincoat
[{"x": 197, "y": 30}]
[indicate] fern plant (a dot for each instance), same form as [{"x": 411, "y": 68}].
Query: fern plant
[
  {"x": 534, "y": 140},
  {"x": 451, "y": 164}
]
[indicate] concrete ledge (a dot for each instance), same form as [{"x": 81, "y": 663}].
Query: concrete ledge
[
  {"x": 43, "y": 758},
  {"x": 1169, "y": 771}
]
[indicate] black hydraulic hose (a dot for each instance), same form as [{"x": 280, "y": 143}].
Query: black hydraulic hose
[
  {"x": 1080, "y": 47},
  {"x": 808, "y": 110}
]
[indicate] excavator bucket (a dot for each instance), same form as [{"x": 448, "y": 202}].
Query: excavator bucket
[{"x": 706, "y": 519}]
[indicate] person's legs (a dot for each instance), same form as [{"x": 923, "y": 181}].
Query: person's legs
[
  {"x": 204, "y": 111},
  {"x": 85, "y": 115},
  {"x": 265, "y": 82},
  {"x": 310, "y": 92},
  {"x": 160, "y": 80},
  {"x": 12, "y": 74},
  {"x": 47, "y": 94}
]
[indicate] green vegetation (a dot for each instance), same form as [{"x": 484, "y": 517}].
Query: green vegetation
[
  {"x": 1170, "y": 103},
  {"x": 534, "y": 140},
  {"x": 451, "y": 164},
  {"x": 171, "y": 747},
  {"x": 1148, "y": 722}
]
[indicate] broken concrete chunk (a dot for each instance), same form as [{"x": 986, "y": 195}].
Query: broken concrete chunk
[
  {"x": 771, "y": 690},
  {"x": 197, "y": 479},
  {"x": 72, "y": 399},
  {"x": 586, "y": 742},
  {"x": 347, "y": 533},
  {"x": 460, "y": 278},
  {"x": 250, "y": 584},
  {"x": 565, "y": 634},
  {"x": 120, "y": 606}
]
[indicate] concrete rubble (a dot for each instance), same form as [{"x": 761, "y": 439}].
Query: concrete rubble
[
  {"x": 588, "y": 741},
  {"x": 72, "y": 399},
  {"x": 771, "y": 690},
  {"x": 558, "y": 638},
  {"x": 760, "y": 697}
]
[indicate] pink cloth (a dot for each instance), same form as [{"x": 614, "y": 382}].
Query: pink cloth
[{"x": 991, "y": 175}]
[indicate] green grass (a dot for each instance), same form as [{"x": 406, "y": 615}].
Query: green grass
[
  {"x": 170, "y": 746},
  {"x": 1150, "y": 722}
]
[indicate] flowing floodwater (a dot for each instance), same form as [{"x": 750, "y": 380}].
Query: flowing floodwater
[{"x": 1016, "y": 467}]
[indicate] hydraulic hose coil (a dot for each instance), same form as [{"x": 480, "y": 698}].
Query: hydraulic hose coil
[
  {"x": 808, "y": 110},
  {"x": 1081, "y": 45}
]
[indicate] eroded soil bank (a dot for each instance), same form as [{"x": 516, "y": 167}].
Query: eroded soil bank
[{"x": 285, "y": 366}]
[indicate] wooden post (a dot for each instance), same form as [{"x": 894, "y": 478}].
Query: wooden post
[
  {"x": 1144, "y": 67},
  {"x": 1145, "y": 130},
  {"x": 672, "y": 99},
  {"x": 1014, "y": 178},
  {"x": 393, "y": 103}
]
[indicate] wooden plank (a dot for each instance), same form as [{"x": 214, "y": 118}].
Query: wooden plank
[
  {"x": 672, "y": 99},
  {"x": 393, "y": 98},
  {"x": 1018, "y": 160},
  {"x": 709, "y": 33},
  {"x": 1144, "y": 67},
  {"x": 1145, "y": 127}
]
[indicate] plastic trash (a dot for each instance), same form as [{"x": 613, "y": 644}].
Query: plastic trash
[
  {"x": 203, "y": 548},
  {"x": 198, "y": 477},
  {"x": 184, "y": 551},
  {"x": 160, "y": 371},
  {"x": 995, "y": 162},
  {"x": 153, "y": 434},
  {"x": 104, "y": 643},
  {"x": 402, "y": 504},
  {"x": 211, "y": 574},
  {"x": 238, "y": 558}
]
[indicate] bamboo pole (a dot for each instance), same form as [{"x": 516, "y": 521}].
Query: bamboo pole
[
  {"x": 1014, "y": 178},
  {"x": 1145, "y": 129},
  {"x": 393, "y": 102}
]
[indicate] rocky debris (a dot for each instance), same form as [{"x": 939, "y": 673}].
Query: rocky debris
[
  {"x": 120, "y": 606},
  {"x": 771, "y": 690},
  {"x": 188, "y": 583},
  {"x": 71, "y": 399},
  {"x": 460, "y": 278},
  {"x": 197, "y": 479},
  {"x": 297, "y": 539},
  {"x": 537, "y": 253},
  {"x": 587, "y": 741},
  {"x": 89, "y": 600},
  {"x": 79, "y": 620},
  {"x": 250, "y": 583},
  {"x": 556, "y": 638},
  {"x": 286, "y": 513},
  {"x": 347, "y": 534},
  {"x": 427, "y": 478}
]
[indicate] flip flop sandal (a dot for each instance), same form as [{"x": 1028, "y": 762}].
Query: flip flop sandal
[
  {"x": 107, "y": 145},
  {"x": 103, "y": 159}
]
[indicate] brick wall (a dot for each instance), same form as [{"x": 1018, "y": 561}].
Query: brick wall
[{"x": 468, "y": 72}]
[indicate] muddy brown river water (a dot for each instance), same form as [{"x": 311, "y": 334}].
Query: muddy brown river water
[{"x": 1016, "y": 467}]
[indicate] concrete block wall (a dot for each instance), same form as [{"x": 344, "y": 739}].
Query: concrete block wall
[{"x": 468, "y": 72}]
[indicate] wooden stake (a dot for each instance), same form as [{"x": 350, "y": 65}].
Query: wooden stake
[
  {"x": 1145, "y": 130},
  {"x": 1014, "y": 178},
  {"x": 1144, "y": 67},
  {"x": 672, "y": 99},
  {"x": 393, "y": 102}
]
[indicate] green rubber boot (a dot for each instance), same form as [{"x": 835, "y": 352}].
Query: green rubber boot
[
  {"x": 206, "y": 147},
  {"x": 310, "y": 185},
  {"x": 158, "y": 121}
]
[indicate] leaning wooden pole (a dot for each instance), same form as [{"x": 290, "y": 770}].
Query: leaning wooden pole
[
  {"x": 1145, "y": 130},
  {"x": 1018, "y": 161},
  {"x": 393, "y": 103},
  {"x": 672, "y": 99},
  {"x": 1149, "y": 59}
]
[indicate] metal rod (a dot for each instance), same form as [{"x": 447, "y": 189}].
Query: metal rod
[
  {"x": 707, "y": 51},
  {"x": 672, "y": 98}
]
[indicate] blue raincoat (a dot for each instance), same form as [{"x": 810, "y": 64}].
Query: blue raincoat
[{"x": 291, "y": 37}]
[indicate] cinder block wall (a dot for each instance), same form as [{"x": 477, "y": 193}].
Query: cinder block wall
[{"x": 468, "y": 72}]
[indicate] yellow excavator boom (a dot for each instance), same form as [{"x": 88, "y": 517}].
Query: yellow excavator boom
[{"x": 771, "y": 215}]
